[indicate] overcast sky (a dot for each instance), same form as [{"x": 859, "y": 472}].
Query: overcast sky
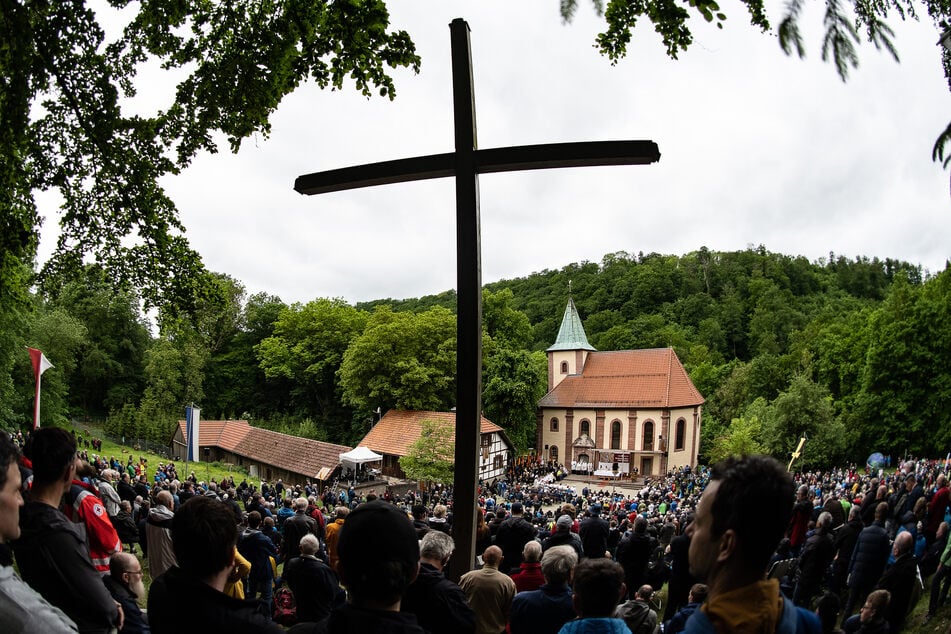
[{"x": 756, "y": 148}]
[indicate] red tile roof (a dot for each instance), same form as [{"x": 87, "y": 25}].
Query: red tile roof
[
  {"x": 627, "y": 378},
  {"x": 297, "y": 455},
  {"x": 398, "y": 429}
]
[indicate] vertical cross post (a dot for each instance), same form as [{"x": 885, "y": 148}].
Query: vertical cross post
[{"x": 468, "y": 304}]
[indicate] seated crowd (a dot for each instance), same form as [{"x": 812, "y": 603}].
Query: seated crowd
[{"x": 740, "y": 547}]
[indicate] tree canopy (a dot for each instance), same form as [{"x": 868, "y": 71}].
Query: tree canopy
[{"x": 66, "y": 123}]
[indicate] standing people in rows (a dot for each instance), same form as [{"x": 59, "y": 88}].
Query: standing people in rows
[
  {"x": 51, "y": 552},
  {"x": 440, "y": 605}
]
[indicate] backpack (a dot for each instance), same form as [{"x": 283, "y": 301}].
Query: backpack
[{"x": 285, "y": 607}]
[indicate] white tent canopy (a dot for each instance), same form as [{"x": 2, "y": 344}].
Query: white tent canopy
[{"x": 359, "y": 456}]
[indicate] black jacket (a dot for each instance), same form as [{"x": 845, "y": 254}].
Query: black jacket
[
  {"x": 512, "y": 536},
  {"x": 352, "y": 620},
  {"x": 869, "y": 557},
  {"x": 315, "y": 587},
  {"x": 634, "y": 553},
  {"x": 900, "y": 579},
  {"x": 594, "y": 533},
  {"x": 133, "y": 622},
  {"x": 439, "y": 604},
  {"x": 295, "y": 528},
  {"x": 179, "y": 603},
  {"x": 53, "y": 558},
  {"x": 257, "y": 548}
]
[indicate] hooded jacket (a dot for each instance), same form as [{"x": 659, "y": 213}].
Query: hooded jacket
[{"x": 52, "y": 555}]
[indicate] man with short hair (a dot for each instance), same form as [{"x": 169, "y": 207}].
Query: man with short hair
[
  {"x": 637, "y": 613},
  {"x": 594, "y": 531},
  {"x": 204, "y": 539},
  {"x": 22, "y": 609},
  {"x": 489, "y": 592},
  {"x": 51, "y": 551},
  {"x": 124, "y": 583},
  {"x": 740, "y": 519},
  {"x": 439, "y": 604},
  {"x": 598, "y": 585},
  {"x": 315, "y": 586},
  {"x": 529, "y": 576},
  {"x": 869, "y": 558},
  {"x": 296, "y": 527},
  {"x": 546, "y": 610},
  {"x": 634, "y": 554},
  {"x": 814, "y": 560},
  {"x": 695, "y": 598},
  {"x": 900, "y": 579},
  {"x": 158, "y": 530},
  {"x": 513, "y": 533},
  {"x": 258, "y": 549}
]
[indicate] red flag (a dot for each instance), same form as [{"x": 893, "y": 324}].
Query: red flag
[{"x": 40, "y": 365}]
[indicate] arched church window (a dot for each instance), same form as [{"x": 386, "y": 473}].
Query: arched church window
[
  {"x": 648, "y": 436},
  {"x": 681, "y": 434},
  {"x": 564, "y": 367},
  {"x": 553, "y": 425},
  {"x": 585, "y": 427},
  {"x": 616, "y": 434}
]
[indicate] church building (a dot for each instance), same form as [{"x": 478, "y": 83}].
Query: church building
[{"x": 616, "y": 413}]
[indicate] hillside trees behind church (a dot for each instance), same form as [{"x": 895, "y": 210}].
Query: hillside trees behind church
[{"x": 750, "y": 327}]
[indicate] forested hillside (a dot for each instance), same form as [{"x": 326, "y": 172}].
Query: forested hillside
[{"x": 852, "y": 353}]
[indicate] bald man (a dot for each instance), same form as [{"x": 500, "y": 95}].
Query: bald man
[
  {"x": 125, "y": 584},
  {"x": 900, "y": 579},
  {"x": 489, "y": 592}
]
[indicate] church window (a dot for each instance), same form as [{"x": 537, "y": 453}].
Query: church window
[
  {"x": 564, "y": 367},
  {"x": 585, "y": 427},
  {"x": 553, "y": 425},
  {"x": 648, "y": 440},
  {"x": 681, "y": 435},
  {"x": 616, "y": 434},
  {"x": 553, "y": 453}
]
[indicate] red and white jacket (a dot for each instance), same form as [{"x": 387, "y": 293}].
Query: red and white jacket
[{"x": 84, "y": 507}]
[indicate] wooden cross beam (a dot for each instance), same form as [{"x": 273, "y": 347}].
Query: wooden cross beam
[{"x": 465, "y": 164}]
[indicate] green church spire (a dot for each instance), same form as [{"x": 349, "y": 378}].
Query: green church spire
[{"x": 571, "y": 334}]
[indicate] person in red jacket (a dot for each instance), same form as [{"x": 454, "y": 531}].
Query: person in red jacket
[
  {"x": 84, "y": 506},
  {"x": 529, "y": 576}
]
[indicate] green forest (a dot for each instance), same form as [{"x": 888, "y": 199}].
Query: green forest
[{"x": 854, "y": 354}]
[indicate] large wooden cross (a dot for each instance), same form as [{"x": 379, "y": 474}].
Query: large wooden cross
[{"x": 466, "y": 163}]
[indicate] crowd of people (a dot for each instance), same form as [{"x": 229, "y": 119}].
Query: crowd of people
[{"x": 740, "y": 547}]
